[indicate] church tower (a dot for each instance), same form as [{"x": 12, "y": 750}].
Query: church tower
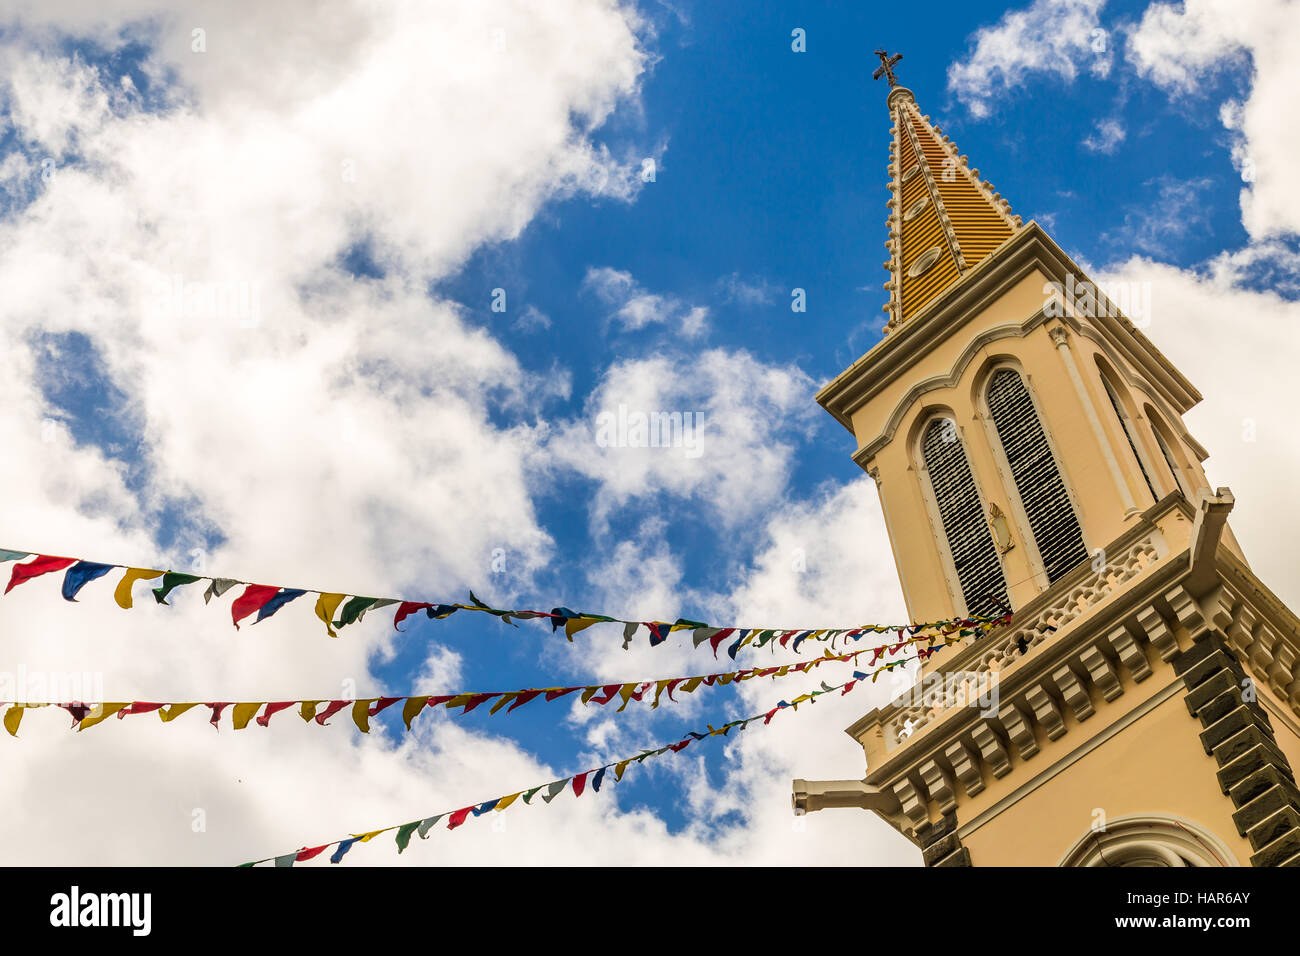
[{"x": 1142, "y": 706}]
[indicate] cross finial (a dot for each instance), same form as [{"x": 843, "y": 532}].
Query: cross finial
[{"x": 886, "y": 67}]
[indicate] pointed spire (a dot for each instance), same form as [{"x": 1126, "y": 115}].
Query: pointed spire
[{"x": 943, "y": 219}]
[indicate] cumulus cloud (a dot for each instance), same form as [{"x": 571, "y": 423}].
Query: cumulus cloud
[
  {"x": 635, "y": 308},
  {"x": 724, "y": 434},
  {"x": 191, "y": 232},
  {"x": 1056, "y": 37},
  {"x": 1107, "y": 137},
  {"x": 1179, "y": 47}
]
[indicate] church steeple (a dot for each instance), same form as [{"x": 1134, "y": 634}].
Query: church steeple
[
  {"x": 944, "y": 220},
  {"x": 1141, "y": 705}
]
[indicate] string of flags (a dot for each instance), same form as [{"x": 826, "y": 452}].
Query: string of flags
[
  {"x": 587, "y": 781},
  {"x": 337, "y": 610},
  {"x": 242, "y": 713}
]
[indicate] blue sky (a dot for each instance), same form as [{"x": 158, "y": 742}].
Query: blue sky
[{"x": 770, "y": 176}]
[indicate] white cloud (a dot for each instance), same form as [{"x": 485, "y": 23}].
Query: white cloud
[
  {"x": 337, "y": 434},
  {"x": 1178, "y": 47},
  {"x": 532, "y": 319},
  {"x": 1110, "y": 133},
  {"x": 1175, "y": 209},
  {"x": 1236, "y": 344},
  {"x": 747, "y": 292},
  {"x": 1058, "y": 37},
  {"x": 718, "y": 427},
  {"x": 635, "y": 308}
]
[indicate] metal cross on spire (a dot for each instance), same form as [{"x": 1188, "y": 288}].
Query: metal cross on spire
[{"x": 886, "y": 67}]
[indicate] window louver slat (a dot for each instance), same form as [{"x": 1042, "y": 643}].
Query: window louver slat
[
  {"x": 1052, "y": 520},
  {"x": 979, "y": 572},
  {"x": 1127, "y": 426}
]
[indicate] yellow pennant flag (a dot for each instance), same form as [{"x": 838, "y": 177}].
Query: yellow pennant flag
[
  {"x": 723, "y": 680},
  {"x": 361, "y": 714},
  {"x": 626, "y": 692},
  {"x": 619, "y": 768},
  {"x": 367, "y": 837},
  {"x": 460, "y": 700},
  {"x": 123, "y": 593},
  {"x": 505, "y": 699},
  {"x": 13, "y": 716},
  {"x": 412, "y": 707},
  {"x": 168, "y": 714},
  {"x": 782, "y": 671},
  {"x": 575, "y": 624},
  {"x": 326, "y": 605},
  {"x": 589, "y": 692},
  {"x": 308, "y": 708},
  {"x": 506, "y": 801},
  {"x": 660, "y": 687},
  {"x": 244, "y": 712},
  {"x": 101, "y": 713},
  {"x": 690, "y": 685}
]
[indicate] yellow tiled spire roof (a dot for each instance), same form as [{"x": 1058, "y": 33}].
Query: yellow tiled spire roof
[{"x": 943, "y": 219}]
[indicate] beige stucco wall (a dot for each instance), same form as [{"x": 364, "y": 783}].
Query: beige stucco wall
[
  {"x": 1155, "y": 766},
  {"x": 1099, "y": 472}
]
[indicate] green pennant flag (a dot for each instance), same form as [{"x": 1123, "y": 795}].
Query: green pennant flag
[
  {"x": 404, "y": 834},
  {"x": 353, "y": 610},
  {"x": 381, "y": 602},
  {"x": 170, "y": 581}
]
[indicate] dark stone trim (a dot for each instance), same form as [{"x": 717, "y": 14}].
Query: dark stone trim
[
  {"x": 1237, "y": 732},
  {"x": 940, "y": 844}
]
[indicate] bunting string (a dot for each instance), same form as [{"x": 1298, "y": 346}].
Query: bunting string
[
  {"x": 242, "y": 713},
  {"x": 587, "y": 781},
  {"x": 339, "y": 609}
]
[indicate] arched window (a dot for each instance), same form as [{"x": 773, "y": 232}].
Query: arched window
[
  {"x": 1179, "y": 476},
  {"x": 1156, "y": 840},
  {"x": 1129, "y": 432},
  {"x": 1042, "y": 493},
  {"x": 979, "y": 571}
]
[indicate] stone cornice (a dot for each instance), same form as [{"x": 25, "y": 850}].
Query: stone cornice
[{"x": 1026, "y": 250}]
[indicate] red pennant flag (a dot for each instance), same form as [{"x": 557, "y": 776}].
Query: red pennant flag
[
  {"x": 306, "y": 853},
  {"x": 78, "y": 711},
  {"x": 217, "y": 708},
  {"x": 274, "y": 708},
  {"x": 580, "y": 783},
  {"x": 718, "y": 638},
  {"x": 139, "y": 707},
  {"x": 383, "y": 702},
  {"x": 458, "y": 817},
  {"x": 559, "y": 692},
  {"x": 847, "y": 687},
  {"x": 254, "y": 598},
  {"x": 524, "y": 697},
  {"x": 439, "y": 700},
  {"x": 43, "y": 564},
  {"x": 680, "y": 745},
  {"x": 475, "y": 700},
  {"x": 406, "y": 609},
  {"x": 334, "y": 707},
  {"x": 610, "y": 690}
]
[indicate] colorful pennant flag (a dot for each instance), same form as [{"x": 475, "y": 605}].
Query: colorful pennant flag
[
  {"x": 578, "y": 783},
  {"x": 363, "y": 709},
  {"x": 336, "y": 610}
]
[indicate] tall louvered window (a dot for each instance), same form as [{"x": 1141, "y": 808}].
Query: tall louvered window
[
  {"x": 979, "y": 572},
  {"x": 1127, "y": 424},
  {"x": 1164, "y": 450},
  {"x": 1038, "y": 481}
]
